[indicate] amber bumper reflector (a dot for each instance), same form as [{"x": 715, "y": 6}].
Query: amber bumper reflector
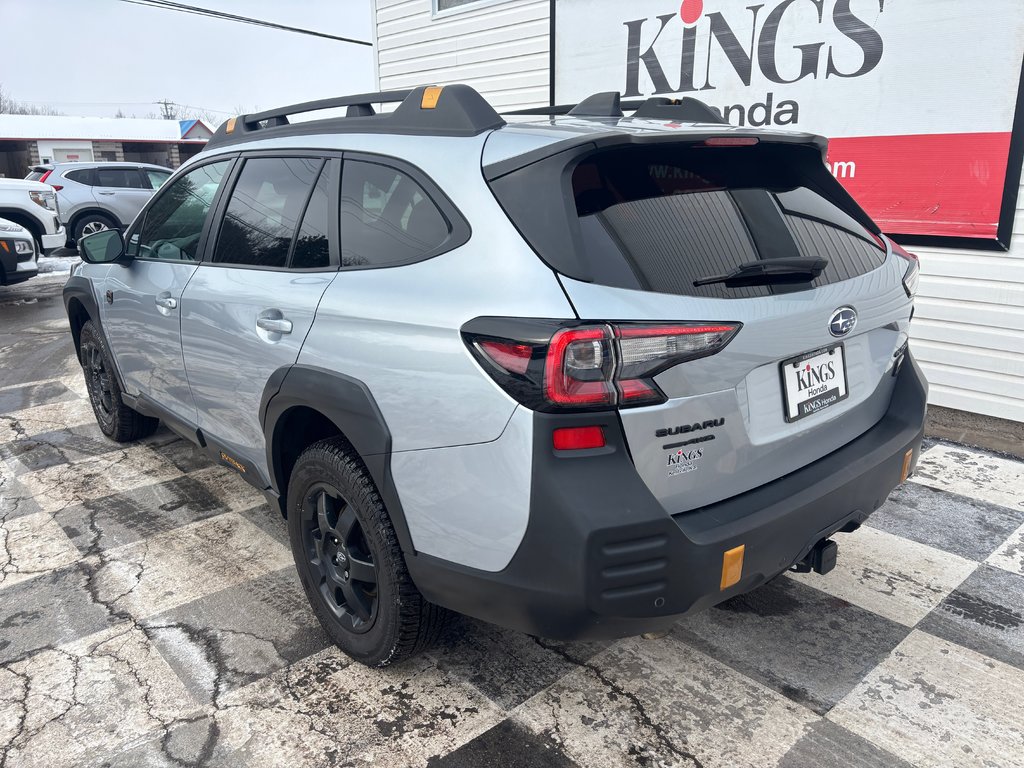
[
  {"x": 732, "y": 566},
  {"x": 907, "y": 458}
]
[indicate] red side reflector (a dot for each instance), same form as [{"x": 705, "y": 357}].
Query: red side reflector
[
  {"x": 578, "y": 438},
  {"x": 731, "y": 141}
]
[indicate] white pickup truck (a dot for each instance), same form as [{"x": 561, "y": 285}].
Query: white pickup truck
[{"x": 33, "y": 205}]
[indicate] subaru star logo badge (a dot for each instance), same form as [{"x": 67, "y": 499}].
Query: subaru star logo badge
[{"x": 843, "y": 321}]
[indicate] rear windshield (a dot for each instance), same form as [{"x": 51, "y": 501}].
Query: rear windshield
[{"x": 659, "y": 219}]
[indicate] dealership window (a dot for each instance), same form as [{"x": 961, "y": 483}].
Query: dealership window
[{"x": 441, "y": 6}]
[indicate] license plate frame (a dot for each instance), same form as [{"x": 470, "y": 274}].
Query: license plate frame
[{"x": 787, "y": 369}]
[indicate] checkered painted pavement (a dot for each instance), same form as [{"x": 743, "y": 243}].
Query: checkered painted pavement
[{"x": 150, "y": 616}]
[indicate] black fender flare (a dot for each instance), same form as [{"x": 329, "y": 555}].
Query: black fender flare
[
  {"x": 348, "y": 403},
  {"x": 80, "y": 288}
]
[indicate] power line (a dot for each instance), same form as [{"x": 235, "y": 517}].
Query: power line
[{"x": 194, "y": 9}]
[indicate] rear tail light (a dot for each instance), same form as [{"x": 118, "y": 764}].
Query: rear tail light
[
  {"x": 551, "y": 366},
  {"x": 913, "y": 273},
  {"x": 45, "y": 176}
]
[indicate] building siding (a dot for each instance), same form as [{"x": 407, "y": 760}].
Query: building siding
[
  {"x": 499, "y": 49},
  {"x": 968, "y": 330}
]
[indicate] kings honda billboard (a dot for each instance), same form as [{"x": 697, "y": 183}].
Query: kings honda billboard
[{"x": 918, "y": 97}]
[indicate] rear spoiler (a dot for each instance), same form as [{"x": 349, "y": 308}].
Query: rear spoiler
[{"x": 612, "y": 138}]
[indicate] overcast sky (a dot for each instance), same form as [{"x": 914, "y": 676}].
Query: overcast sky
[{"x": 91, "y": 57}]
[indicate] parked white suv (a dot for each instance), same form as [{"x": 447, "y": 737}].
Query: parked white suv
[{"x": 33, "y": 205}]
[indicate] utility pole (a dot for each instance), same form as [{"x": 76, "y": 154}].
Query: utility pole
[{"x": 167, "y": 110}]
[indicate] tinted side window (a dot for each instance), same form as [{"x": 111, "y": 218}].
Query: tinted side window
[
  {"x": 82, "y": 176},
  {"x": 386, "y": 217},
  {"x": 174, "y": 222},
  {"x": 264, "y": 211},
  {"x": 311, "y": 247},
  {"x": 118, "y": 177}
]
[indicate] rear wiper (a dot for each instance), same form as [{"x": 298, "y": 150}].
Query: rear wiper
[{"x": 801, "y": 269}]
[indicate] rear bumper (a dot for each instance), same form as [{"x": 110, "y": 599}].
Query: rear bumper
[{"x": 601, "y": 559}]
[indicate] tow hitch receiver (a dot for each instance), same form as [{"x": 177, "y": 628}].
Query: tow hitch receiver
[{"x": 821, "y": 559}]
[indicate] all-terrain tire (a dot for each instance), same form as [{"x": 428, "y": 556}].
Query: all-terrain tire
[
  {"x": 331, "y": 491},
  {"x": 116, "y": 420}
]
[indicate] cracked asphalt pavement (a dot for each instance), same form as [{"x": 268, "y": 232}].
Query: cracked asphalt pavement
[{"x": 150, "y": 616}]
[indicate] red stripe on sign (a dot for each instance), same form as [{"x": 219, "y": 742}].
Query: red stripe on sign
[{"x": 939, "y": 184}]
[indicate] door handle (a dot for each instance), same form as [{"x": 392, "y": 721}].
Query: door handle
[
  {"x": 166, "y": 302},
  {"x": 106, "y": 193},
  {"x": 274, "y": 324}
]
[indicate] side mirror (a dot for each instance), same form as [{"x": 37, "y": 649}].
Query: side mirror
[{"x": 104, "y": 247}]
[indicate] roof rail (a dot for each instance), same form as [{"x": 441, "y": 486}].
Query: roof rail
[
  {"x": 453, "y": 110},
  {"x": 609, "y": 104}
]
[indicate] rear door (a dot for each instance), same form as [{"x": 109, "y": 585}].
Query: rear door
[
  {"x": 801, "y": 378},
  {"x": 249, "y": 306},
  {"x": 122, "y": 191}
]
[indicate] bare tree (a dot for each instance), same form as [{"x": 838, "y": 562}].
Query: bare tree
[
  {"x": 120, "y": 113},
  {"x": 11, "y": 106}
]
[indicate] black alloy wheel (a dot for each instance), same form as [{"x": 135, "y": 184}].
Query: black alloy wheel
[
  {"x": 98, "y": 382},
  {"x": 339, "y": 558}
]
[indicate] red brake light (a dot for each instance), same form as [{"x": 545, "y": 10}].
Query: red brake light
[
  {"x": 549, "y": 367},
  {"x": 577, "y": 438},
  {"x": 509, "y": 355},
  {"x": 637, "y": 390},
  {"x": 578, "y": 367},
  {"x": 731, "y": 141}
]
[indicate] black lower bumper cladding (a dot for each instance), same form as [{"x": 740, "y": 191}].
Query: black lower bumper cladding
[{"x": 602, "y": 559}]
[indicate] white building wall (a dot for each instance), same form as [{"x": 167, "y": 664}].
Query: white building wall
[
  {"x": 501, "y": 49},
  {"x": 969, "y": 325},
  {"x": 968, "y": 330}
]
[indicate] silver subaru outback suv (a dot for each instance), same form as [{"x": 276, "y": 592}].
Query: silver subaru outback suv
[{"x": 568, "y": 371}]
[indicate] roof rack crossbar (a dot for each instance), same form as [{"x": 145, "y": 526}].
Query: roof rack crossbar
[{"x": 451, "y": 110}]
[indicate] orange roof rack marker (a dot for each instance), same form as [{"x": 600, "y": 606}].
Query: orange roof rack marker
[
  {"x": 430, "y": 96},
  {"x": 231, "y": 125}
]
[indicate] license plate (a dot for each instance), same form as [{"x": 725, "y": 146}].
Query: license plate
[{"x": 813, "y": 381}]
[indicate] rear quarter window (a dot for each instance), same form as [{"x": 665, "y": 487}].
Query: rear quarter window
[
  {"x": 82, "y": 176},
  {"x": 392, "y": 214}
]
